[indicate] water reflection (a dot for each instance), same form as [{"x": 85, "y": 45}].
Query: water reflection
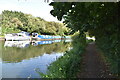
[
  {"x": 0, "y": 61},
  {"x": 35, "y": 43},
  {"x": 22, "y": 57},
  {"x": 14, "y": 52},
  {"x": 20, "y": 44},
  {"x": 27, "y": 68}
]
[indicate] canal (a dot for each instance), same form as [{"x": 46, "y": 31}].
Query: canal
[{"x": 22, "y": 59}]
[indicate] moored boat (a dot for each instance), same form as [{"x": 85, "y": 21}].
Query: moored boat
[
  {"x": 22, "y": 36},
  {"x": 36, "y": 36}
]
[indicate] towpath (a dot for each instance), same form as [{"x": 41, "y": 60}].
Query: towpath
[{"x": 93, "y": 65}]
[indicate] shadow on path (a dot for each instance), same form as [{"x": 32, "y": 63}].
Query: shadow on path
[{"x": 93, "y": 65}]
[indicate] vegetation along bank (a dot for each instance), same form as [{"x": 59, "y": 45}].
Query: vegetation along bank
[
  {"x": 14, "y": 22},
  {"x": 99, "y": 20}
]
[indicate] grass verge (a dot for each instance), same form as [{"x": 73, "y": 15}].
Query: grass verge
[{"x": 68, "y": 65}]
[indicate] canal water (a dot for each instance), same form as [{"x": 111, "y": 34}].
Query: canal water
[{"x": 22, "y": 59}]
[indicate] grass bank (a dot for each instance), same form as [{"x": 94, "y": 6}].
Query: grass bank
[{"x": 68, "y": 65}]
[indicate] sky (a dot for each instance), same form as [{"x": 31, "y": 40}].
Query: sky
[{"x": 37, "y": 8}]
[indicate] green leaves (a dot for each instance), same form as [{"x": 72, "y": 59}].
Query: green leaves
[
  {"x": 60, "y": 9},
  {"x": 25, "y": 22},
  {"x": 98, "y": 19}
]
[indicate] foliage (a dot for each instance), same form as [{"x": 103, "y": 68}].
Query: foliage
[
  {"x": 99, "y": 20},
  {"x": 68, "y": 65},
  {"x": 13, "y": 22}
]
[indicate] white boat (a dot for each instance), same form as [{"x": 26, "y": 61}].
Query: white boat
[
  {"x": 22, "y": 36},
  {"x": 20, "y": 44}
]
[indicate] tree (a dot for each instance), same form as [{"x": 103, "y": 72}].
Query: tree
[
  {"x": 13, "y": 21},
  {"x": 98, "y": 19}
]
